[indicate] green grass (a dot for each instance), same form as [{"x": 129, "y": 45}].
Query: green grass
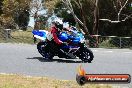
[
  {"x": 107, "y": 44},
  {"x": 19, "y": 37},
  {"x": 20, "y": 81}
]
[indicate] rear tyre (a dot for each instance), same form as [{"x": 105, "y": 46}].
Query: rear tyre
[
  {"x": 45, "y": 53},
  {"x": 86, "y": 55}
]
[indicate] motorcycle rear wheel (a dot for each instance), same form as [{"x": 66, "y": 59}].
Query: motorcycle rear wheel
[{"x": 41, "y": 49}]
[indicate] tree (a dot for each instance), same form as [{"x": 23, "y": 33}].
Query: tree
[
  {"x": 96, "y": 18},
  {"x": 51, "y": 5},
  {"x": 1, "y": 4},
  {"x": 22, "y": 15},
  {"x": 120, "y": 8},
  {"x": 8, "y": 9},
  {"x": 70, "y": 8},
  {"x": 109, "y": 17},
  {"x": 35, "y": 7},
  {"x": 67, "y": 6},
  {"x": 115, "y": 17},
  {"x": 15, "y": 13}
]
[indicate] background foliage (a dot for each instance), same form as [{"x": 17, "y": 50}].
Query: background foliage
[{"x": 116, "y": 15}]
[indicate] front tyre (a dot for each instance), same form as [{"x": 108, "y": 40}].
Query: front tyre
[
  {"x": 86, "y": 55},
  {"x": 45, "y": 53}
]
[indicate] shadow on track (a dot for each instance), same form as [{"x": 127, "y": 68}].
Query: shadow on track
[{"x": 55, "y": 60}]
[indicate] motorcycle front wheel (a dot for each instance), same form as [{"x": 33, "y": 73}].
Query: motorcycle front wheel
[
  {"x": 42, "y": 50},
  {"x": 86, "y": 55}
]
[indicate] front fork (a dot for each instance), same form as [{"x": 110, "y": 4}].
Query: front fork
[
  {"x": 81, "y": 49},
  {"x": 81, "y": 45}
]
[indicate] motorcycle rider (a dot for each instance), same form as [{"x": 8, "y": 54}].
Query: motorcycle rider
[
  {"x": 56, "y": 28},
  {"x": 55, "y": 43}
]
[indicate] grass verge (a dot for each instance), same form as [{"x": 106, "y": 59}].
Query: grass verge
[
  {"x": 20, "y": 81},
  {"x": 19, "y": 37}
]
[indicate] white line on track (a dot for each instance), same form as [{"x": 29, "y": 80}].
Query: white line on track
[
  {"x": 128, "y": 52},
  {"x": 108, "y": 51},
  {"x": 95, "y": 50}
]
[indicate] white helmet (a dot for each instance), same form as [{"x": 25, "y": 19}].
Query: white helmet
[
  {"x": 58, "y": 23},
  {"x": 66, "y": 25},
  {"x": 58, "y": 20}
]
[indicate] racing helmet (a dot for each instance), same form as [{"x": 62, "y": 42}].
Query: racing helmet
[{"x": 58, "y": 23}]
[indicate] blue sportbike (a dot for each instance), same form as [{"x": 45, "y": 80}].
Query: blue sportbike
[{"x": 75, "y": 48}]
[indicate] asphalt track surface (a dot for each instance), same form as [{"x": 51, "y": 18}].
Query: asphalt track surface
[{"x": 25, "y": 59}]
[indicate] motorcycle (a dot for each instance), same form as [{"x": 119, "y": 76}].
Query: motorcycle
[{"x": 76, "y": 47}]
